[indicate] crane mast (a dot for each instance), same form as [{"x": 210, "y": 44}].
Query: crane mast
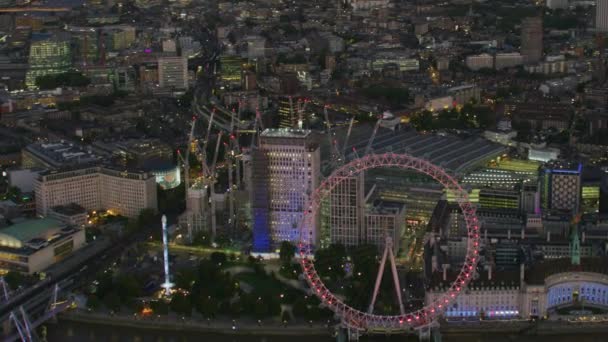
[{"x": 368, "y": 148}]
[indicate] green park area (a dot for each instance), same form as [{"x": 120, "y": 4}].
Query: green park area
[{"x": 221, "y": 286}]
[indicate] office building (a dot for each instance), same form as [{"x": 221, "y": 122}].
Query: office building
[
  {"x": 287, "y": 112},
  {"x": 96, "y": 188},
  {"x": 478, "y": 62},
  {"x": 366, "y": 5},
  {"x": 256, "y": 46},
  {"x": 403, "y": 62},
  {"x": 119, "y": 37},
  {"x": 532, "y": 39},
  {"x": 384, "y": 220},
  {"x": 32, "y": 246},
  {"x": 55, "y": 155},
  {"x": 49, "y": 54},
  {"x": 557, "y": 4},
  {"x": 23, "y": 178},
  {"x": 465, "y": 93},
  {"x": 231, "y": 66},
  {"x": 71, "y": 214},
  {"x": 561, "y": 187},
  {"x": 498, "y": 199},
  {"x": 530, "y": 293},
  {"x": 508, "y": 60},
  {"x": 345, "y": 215},
  {"x": 285, "y": 172},
  {"x": 85, "y": 45},
  {"x": 530, "y": 198},
  {"x": 601, "y": 15},
  {"x": 249, "y": 80},
  {"x": 173, "y": 72}
]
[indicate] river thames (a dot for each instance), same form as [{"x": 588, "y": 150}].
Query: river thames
[{"x": 66, "y": 331}]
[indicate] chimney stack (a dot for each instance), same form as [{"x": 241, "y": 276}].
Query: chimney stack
[
  {"x": 489, "y": 272},
  {"x": 548, "y": 236},
  {"x": 523, "y": 233},
  {"x": 522, "y": 270}
]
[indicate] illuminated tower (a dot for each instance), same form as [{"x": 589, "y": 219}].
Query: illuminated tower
[
  {"x": 285, "y": 172},
  {"x": 167, "y": 284}
]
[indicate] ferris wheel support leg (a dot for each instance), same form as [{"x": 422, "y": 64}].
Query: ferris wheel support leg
[
  {"x": 395, "y": 278},
  {"x": 347, "y": 333},
  {"x": 378, "y": 281}
]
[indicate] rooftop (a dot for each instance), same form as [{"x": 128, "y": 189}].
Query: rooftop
[
  {"x": 537, "y": 273},
  {"x": 448, "y": 151},
  {"x": 286, "y": 133},
  {"x": 17, "y": 234},
  {"x": 69, "y": 209},
  {"x": 61, "y": 153}
]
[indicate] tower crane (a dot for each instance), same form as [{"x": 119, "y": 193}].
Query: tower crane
[
  {"x": 209, "y": 181},
  {"x": 350, "y": 129},
  {"x": 368, "y": 148},
  {"x": 201, "y": 190},
  {"x": 257, "y": 126},
  {"x": 301, "y": 110},
  {"x": 186, "y": 164},
  {"x": 232, "y": 155}
]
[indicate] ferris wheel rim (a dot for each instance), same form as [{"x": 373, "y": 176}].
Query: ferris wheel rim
[{"x": 403, "y": 322}]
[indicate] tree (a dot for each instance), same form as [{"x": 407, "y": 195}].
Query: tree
[
  {"x": 14, "y": 279},
  {"x": 329, "y": 262},
  {"x": 127, "y": 287},
  {"x": 93, "y": 302},
  {"x": 160, "y": 307},
  {"x": 206, "y": 305},
  {"x": 185, "y": 278},
  {"x": 422, "y": 121},
  {"x": 66, "y": 79},
  {"x": 147, "y": 217},
  {"x": 395, "y": 96},
  {"x": 287, "y": 252},
  {"x": 171, "y": 201},
  {"x": 261, "y": 309},
  {"x": 300, "y": 308},
  {"x": 112, "y": 301},
  {"x": 218, "y": 258},
  {"x": 201, "y": 239},
  {"x": 13, "y": 193},
  {"x": 285, "y": 318},
  {"x": 181, "y": 304}
]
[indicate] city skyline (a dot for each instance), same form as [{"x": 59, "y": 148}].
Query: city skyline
[{"x": 281, "y": 169}]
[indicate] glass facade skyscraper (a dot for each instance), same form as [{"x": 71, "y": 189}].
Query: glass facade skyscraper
[{"x": 49, "y": 54}]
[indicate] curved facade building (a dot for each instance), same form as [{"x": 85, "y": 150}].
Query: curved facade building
[{"x": 546, "y": 290}]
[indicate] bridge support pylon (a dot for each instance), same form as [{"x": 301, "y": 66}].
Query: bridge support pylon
[
  {"x": 429, "y": 332},
  {"x": 347, "y": 334}
]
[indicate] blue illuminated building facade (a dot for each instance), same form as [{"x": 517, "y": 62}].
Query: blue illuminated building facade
[{"x": 285, "y": 172}]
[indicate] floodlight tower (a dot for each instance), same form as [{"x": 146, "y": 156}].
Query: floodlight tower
[{"x": 167, "y": 284}]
